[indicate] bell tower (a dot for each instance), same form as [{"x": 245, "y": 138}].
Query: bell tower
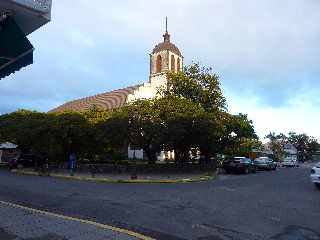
[{"x": 165, "y": 57}]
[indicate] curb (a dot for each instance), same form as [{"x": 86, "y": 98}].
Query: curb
[
  {"x": 99, "y": 225},
  {"x": 105, "y": 180}
]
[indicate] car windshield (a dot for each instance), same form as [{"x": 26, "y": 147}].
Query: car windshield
[
  {"x": 260, "y": 160},
  {"x": 238, "y": 159}
]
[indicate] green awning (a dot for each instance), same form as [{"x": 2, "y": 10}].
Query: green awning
[{"x": 16, "y": 51}]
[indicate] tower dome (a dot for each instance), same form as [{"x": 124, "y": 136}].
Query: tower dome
[
  {"x": 166, "y": 45},
  {"x": 165, "y": 56}
]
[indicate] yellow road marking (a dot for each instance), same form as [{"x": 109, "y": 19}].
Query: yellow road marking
[{"x": 99, "y": 225}]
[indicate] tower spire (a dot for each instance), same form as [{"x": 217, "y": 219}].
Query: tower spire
[
  {"x": 166, "y": 36},
  {"x": 166, "y": 24}
]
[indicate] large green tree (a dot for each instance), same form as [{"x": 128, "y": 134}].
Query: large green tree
[
  {"x": 69, "y": 132},
  {"x": 53, "y": 134},
  {"x": 277, "y": 144},
  {"x": 172, "y": 123},
  {"x": 239, "y": 136},
  {"x": 95, "y": 136},
  {"x": 305, "y": 145},
  {"x": 26, "y": 129},
  {"x": 146, "y": 128},
  {"x": 200, "y": 85},
  {"x": 180, "y": 118},
  {"x": 113, "y": 135}
]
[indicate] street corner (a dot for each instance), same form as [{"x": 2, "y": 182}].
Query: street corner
[{"x": 20, "y": 222}]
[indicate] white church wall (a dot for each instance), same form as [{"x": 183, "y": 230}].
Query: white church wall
[
  {"x": 135, "y": 154},
  {"x": 150, "y": 89},
  {"x": 139, "y": 155}
]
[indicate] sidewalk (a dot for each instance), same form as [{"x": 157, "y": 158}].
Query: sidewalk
[{"x": 20, "y": 223}]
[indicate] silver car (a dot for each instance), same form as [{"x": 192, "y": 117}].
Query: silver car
[
  {"x": 315, "y": 175},
  {"x": 290, "y": 162}
]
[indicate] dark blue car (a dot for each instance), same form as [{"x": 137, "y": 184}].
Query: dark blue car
[{"x": 239, "y": 165}]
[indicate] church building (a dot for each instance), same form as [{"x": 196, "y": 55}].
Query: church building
[{"x": 165, "y": 57}]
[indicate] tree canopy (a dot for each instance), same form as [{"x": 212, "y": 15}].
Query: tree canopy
[
  {"x": 190, "y": 116},
  {"x": 305, "y": 145},
  {"x": 199, "y": 84}
]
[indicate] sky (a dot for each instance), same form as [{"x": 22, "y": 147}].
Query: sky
[{"x": 266, "y": 53}]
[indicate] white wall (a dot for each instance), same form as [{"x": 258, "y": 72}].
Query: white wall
[
  {"x": 135, "y": 154},
  {"x": 149, "y": 89}
]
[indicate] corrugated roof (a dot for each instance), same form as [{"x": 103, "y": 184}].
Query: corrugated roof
[{"x": 106, "y": 101}]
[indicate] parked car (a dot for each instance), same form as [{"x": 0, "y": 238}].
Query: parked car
[
  {"x": 315, "y": 175},
  {"x": 239, "y": 165},
  {"x": 290, "y": 162},
  {"x": 265, "y": 163},
  {"x": 25, "y": 161}
]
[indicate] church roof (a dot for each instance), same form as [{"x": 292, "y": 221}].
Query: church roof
[
  {"x": 166, "y": 46},
  {"x": 105, "y": 101}
]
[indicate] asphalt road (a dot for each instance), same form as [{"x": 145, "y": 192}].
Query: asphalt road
[{"x": 276, "y": 205}]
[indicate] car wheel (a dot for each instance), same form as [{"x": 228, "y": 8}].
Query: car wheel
[
  {"x": 317, "y": 185},
  {"x": 246, "y": 171}
]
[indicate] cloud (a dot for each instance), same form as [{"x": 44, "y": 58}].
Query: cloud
[{"x": 300, "y": 116}]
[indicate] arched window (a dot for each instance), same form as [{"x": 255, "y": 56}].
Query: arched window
[
  {"x": 173, "y": 63},
  {"x": 178, "y": 65},
  {"x": 159, "y": 64}
]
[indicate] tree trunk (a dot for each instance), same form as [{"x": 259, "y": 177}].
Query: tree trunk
[{"x": 151, "y": 156}]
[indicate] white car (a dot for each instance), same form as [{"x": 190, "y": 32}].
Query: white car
[
  {"x": 315, "y": 175},
  {"x": 290, "y": 162}
]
